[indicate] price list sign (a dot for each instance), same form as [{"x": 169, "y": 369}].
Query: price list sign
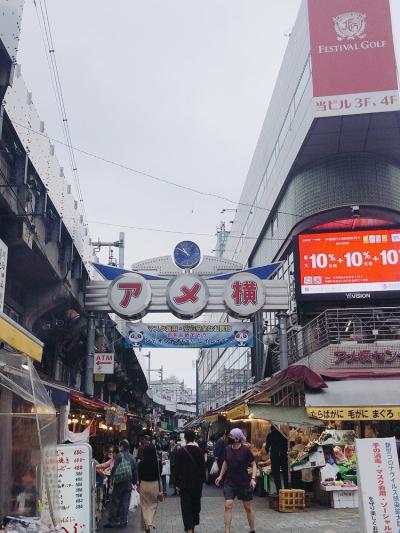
[
  {"x": 75, "y": 487},
  {"x": 355, "y": 264}
]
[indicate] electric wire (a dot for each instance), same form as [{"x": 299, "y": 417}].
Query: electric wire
[{"x": 152, "y": 176}]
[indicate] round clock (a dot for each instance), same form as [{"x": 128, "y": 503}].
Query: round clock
[{"x": 187, "y": 255}]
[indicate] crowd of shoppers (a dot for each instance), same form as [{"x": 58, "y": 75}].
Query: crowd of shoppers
[{"x": 187, "y": 464}]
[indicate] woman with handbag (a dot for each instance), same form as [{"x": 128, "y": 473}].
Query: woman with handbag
[{"x": 149, "y": 488}]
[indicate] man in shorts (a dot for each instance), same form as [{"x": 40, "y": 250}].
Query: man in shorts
[{"x": 237, "y": 482}]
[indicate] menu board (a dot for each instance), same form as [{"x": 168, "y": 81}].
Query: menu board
[
  {"x": 76, "y": 487},
  {"x": 357, "y": 264},
  {"x": 379, "y": 485}
]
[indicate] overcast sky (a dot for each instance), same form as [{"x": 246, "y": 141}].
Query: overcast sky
[{"x": 175, "y": 88}]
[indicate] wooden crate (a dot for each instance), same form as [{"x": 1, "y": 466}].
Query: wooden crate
[{"x": 291, "y": 500}]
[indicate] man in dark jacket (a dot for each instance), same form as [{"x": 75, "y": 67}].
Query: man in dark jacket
[
  {"x": 121, "y": 493},
  {"x": 277, "y": 447},
  {"x": 190, "y": 470}
]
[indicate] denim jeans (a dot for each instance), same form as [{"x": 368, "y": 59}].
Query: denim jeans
[{"x": 119, "y": 504}]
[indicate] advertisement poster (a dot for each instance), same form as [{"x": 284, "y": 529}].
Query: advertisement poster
[
  {"x": 75, "y": 487},
  {"x": 354, "y": 264},
  {"x": 353, "y": 57},
  {"x": 190, "y": 335},
  {"x": 379, "y": 485}
]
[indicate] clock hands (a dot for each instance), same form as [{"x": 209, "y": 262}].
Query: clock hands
[{"x": 184, "y": 251}]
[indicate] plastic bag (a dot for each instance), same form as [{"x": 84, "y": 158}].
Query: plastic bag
[
  {"x": 214, "y": 469},
  {"x": 166, "y": 468},
  {"x": 135, "y": 500}
]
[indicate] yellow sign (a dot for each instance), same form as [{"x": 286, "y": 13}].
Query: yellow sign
[
  {"x": 354, "y": 413},
  {"x": 240, "y": 411},
  {"x": 18, "y": 338}
]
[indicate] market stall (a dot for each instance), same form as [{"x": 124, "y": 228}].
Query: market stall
[{"x": 28, "y": 437}]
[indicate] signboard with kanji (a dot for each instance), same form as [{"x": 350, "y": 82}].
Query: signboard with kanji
[
  {"x": 76, "y": 487},
  {"x": 354, "y": 413},
  {"x": 379, "y": 485},
  {"x": 189, "y": 335}
]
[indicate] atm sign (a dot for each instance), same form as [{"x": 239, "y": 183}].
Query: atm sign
[{"x": 104, "y": 363}]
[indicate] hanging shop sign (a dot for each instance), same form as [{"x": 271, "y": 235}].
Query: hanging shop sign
[
  {"x": 104, "y": 363},
  {"x": 189, "y": 335},
  {"x": 378, "y": 478},
  {"x": 3, "y": 272},
  {"x": 240, "y": 411},
  {"x": 76, "y": 487},
  {"x": 129, "y": 295},
  {"x": 187, "y": 296},
  {"x": 354, "y": 413},
  {"x": 244, "y": 295}
]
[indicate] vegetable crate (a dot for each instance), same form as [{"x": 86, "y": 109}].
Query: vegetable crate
[{"x": 292, "y": 500}]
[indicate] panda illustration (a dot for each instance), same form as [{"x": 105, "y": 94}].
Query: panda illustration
[
  {"x": 136, "y": 337},
  {"x": 242, "y": 337}
]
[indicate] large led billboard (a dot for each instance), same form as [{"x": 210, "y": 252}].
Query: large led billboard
[
  {"x": 351, "y": 265},
  {"x": 353, "y": 57}
]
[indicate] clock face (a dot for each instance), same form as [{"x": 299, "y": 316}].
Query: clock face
[{"x": 187, "y": 254}]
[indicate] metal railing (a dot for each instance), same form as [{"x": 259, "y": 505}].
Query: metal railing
[{"x": 335, "y": 326}]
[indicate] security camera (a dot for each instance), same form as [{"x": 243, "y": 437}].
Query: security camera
[{"x": 355, "y": 211}]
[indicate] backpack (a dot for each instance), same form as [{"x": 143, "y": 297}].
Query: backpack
[{"x": 123, "y": 471}]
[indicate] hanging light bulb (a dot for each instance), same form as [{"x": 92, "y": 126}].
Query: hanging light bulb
[{"x": 69, "y": 421}]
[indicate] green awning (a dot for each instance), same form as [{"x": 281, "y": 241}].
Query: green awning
[{"x": 293, "y": 416}]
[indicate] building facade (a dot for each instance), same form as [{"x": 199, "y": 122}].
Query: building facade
[
  {"x": 327, "y": 164},
  {"x": 49, "y": 252}
]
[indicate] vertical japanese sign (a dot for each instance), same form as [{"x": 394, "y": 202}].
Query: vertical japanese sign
[
  {"x": 3, "y": 271},
  {"x": 75, "y": 487},
  {"x": 379, "y": 485},
  {"x": 353, "y": 58}
]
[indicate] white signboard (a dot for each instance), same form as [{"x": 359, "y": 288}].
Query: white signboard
[
  {"x": 379, "y": 485},
  {"x": 104, "y": 363},
  {"x": 187, "y": 296},
  {"x": 76, "y": 487},
  {"x": 3, "y": 271},
  {"x": 130, "y": 295},
  {"x": 244, "y": 295}
]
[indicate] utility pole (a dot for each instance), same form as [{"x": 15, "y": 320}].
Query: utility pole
[
  {"x": 120, "y": 244},
  {"x": 90, "y": 350},
  {"x": 283, "y": 341}
]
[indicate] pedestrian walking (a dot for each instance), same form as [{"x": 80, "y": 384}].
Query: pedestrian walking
[
  {"x": 237, "y": 482},
  {"x": 123, "y": 476},
  {"x": 276, "y": 446},
  {"x": 219, "y": 450},
  {"x": 173, "y": 448},
  {"x": 190, "y": 469},
  {"x": 149, "y": 488}
]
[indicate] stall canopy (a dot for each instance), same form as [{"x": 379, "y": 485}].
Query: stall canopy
[
  {"x": 356, "y": 399},
  {"x": 293, "y": 416},
  {"x": 19, "y": 339}
]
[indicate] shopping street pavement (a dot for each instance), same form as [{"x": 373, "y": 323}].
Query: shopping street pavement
[{"x": 315, "y": 520}]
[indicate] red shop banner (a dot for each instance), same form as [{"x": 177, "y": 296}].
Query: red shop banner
[{"x": 353, "y": 57}]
